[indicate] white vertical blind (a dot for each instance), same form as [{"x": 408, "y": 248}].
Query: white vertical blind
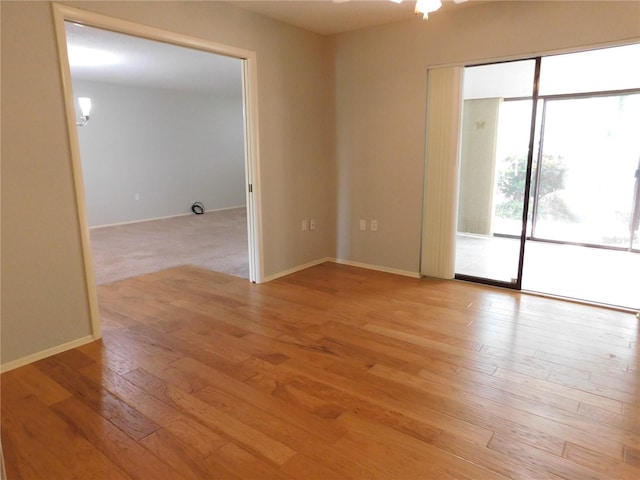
[{"x": 440, "y": 210}]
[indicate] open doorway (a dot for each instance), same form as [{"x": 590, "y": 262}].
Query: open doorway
[
  {"x": 165, "y": 133},
  {"x": 549, "y": 175},
  {"x": 149, "y": 104}
]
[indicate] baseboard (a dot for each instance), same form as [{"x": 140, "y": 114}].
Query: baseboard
[
  {"x": 164, "y": 218},
  {"x": 295, "y": 269},
  {"x": 395, "y": 271},
  {"x": 5, "y": 367}
]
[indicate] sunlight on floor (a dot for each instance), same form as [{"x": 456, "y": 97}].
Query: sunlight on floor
[{"x": 592, "y": 274}]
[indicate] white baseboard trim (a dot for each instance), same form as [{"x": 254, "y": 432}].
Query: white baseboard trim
[
  {"x": 295, "y": 269},
  {"x": 395, "y": 271},
  {"x": 163, "y": 218},
  {"x": 5, "y": 367}
]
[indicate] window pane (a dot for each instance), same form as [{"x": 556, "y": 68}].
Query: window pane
[
  {"x": 587, "y": 178},
  {"x": 601, "y": 70},
  {"x": 499, "y": 80}
]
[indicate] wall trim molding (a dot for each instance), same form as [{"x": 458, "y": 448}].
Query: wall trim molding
[
  {"x": 368, "y": 266},
  {"x": 34, "y": 357},
  {"x": 295, "y": 269},
  {"x": 96, "y": 227}
]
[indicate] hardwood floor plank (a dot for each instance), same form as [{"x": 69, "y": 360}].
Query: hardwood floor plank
[
  {"x": 122, "y": 415},
  {"x": 50, "y": 446},
  {"x": 188, "y": 430},
  {"x": 301, "y": 466},
  {"x": 189, "y": 462},
  {"x": 27, "y": 457},
  {"x": 582, "y": 396},
  {"x": 529, "y": 365},
  {"x": 16, "y": 467},
  {"x": 600, "y": 463},
  {"x": 497, "y": 387},
  {"x": 632, "y": 456},
  {"x": 328, "y": 409},
  {"x": 120, "y": 364},
  {"x": 391, "y": 350},
  {"x": 233, "y": 319},
  {"x": 298, "y": 439},
  {"x": 30, "y": 381},
  {"x": 123, "y": 451},
  {"x": 220, "y": 343},
  {"x": 505, "y": 465},
  {"x": 392, "y": 454},
  {"x": 541, "y": 461},
  {"x": 416, "y": 419},
  {"x": 244, "y": 464},
  {"x": 215, "y": 419},
  {"x": 318, "y": 427},
  {"x": 629, "y": 383},
  {"x": 491, "y": 419},
  {"x": 333, "y": 372}
]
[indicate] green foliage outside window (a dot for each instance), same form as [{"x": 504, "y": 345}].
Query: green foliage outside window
[{"x": 511, "y": 183}]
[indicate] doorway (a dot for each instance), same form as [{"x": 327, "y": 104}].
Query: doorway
[
  {"x": 165, "y": 133},
  {"x": 548, "y": 198},
  {"x": 251, "y": 190}
]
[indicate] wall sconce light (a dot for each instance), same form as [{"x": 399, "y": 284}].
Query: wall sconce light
[{"x": 85, "y": 108}]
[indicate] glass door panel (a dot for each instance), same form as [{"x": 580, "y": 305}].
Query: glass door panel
[
  {"x": 589, "y": 158},
  {"x": 511, "y": 167},
  {"x": 584, "y": 227},
  {"x": 493, "y": 171}
]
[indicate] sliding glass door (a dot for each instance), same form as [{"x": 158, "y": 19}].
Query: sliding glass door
[
  {"x": 549, "y": 181},
  {"x": 495, "y": 159}
]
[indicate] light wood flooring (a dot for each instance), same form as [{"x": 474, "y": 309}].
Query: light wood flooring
[{"x": 333, "y": 372}]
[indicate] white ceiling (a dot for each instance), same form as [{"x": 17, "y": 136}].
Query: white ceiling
[
  {"x": 137, "y": 61},
  {"x": 328, "y": 17}
]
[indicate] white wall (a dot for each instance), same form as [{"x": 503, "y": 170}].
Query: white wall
[
  {"x": 477, "y": 165},
  {"x": 171, "y": 147}
]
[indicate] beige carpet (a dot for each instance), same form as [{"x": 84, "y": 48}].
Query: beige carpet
[{"x": 215, "y": 241}]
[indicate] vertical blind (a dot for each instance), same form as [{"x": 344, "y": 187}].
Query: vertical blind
[{"x": 440, "y": 209}]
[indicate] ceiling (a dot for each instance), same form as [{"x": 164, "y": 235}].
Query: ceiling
[
  {"x": 104, "y": 56},
  {"x": 328, "y": 17},
  {"x": 117, "y": 58}
]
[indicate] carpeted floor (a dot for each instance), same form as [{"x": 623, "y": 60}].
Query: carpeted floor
[{"x": 216, "y": 241}]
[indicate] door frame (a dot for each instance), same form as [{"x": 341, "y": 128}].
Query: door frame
[{"x": 62, "y": 13}]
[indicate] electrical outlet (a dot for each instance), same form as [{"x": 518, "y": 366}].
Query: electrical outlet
[
  {"x": 304, "y": 225},
  {"x": 312, "y": 224},
  {"x": 363, "y": 225},
  {"x": 374, "y": 225}
]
